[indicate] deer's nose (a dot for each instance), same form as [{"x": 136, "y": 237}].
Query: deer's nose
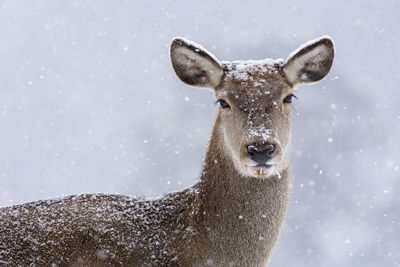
[{"x": 261, "y": 153}]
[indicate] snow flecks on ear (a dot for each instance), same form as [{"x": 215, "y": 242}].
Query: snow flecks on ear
[
  {"x": 302, "y": 61},
  {"x": 304, "y": 77},
  {"x": 311, "y": 62},
  {"x": 198, "y": 47},
  {"x": 306, "y": 44},
  {"x": 194, "y": 65},
  {"x": 245, "y": 70}
]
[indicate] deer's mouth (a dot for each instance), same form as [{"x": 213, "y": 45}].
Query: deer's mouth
[
  {"x": 262, "y": 170},
  {"x": 264, "y": 165}
]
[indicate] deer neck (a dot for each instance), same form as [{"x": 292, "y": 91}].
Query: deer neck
[
  {"x": 221, "y": 179},
  {"x": 244, "y": 213}
]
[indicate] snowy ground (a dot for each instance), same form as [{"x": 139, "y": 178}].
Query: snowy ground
[{"x": 89, "y": 103}]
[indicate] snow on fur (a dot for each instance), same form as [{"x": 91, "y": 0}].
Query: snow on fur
[
  {"x": 197, "y": 47},
  {"x": 245, "y": 70},
  {"x": 311, "y": 42}
]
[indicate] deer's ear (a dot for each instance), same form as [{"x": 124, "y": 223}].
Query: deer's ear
[
  {"x": 311, "y": 62},
  {"x": 194, "y": 65}
]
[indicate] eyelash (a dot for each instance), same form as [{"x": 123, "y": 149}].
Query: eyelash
[
  {"x": 288, "y": 99},
  {"x": 223, "y": 104}
]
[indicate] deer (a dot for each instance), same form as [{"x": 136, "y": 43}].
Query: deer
[{"x": 232, "y": 216}]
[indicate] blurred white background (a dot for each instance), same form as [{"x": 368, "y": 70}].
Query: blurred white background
[{"x": 89, "y": 103}]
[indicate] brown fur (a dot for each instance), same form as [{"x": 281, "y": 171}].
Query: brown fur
[{"x": 231, "y": 217}]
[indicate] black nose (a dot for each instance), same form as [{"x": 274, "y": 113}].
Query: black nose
[{"x": 261, "y": 153}]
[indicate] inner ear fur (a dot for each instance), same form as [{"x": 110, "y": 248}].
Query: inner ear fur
[
  {"x": 311, "y": 62},
  {"x": 194, "y": 65}
]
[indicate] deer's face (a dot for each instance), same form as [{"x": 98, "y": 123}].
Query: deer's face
[{"x": 254, "y": 118}]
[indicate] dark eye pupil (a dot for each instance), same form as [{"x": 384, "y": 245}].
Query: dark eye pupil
[
  {"x": 223, "y": 103},
  {"x": 288, "y": 99}
]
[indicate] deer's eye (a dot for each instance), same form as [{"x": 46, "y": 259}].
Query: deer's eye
[
  {"x": 223, "y": 103},
  {"x": 288, "y": 99}
]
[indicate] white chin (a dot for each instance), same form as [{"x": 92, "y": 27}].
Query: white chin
[{"x": 261, "y": 171}]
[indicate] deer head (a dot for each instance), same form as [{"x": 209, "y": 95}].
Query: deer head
[{"x": 254, "y": 120}]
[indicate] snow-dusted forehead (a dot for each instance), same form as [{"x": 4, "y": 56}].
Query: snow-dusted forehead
[{"x": 245, "y": 70}]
